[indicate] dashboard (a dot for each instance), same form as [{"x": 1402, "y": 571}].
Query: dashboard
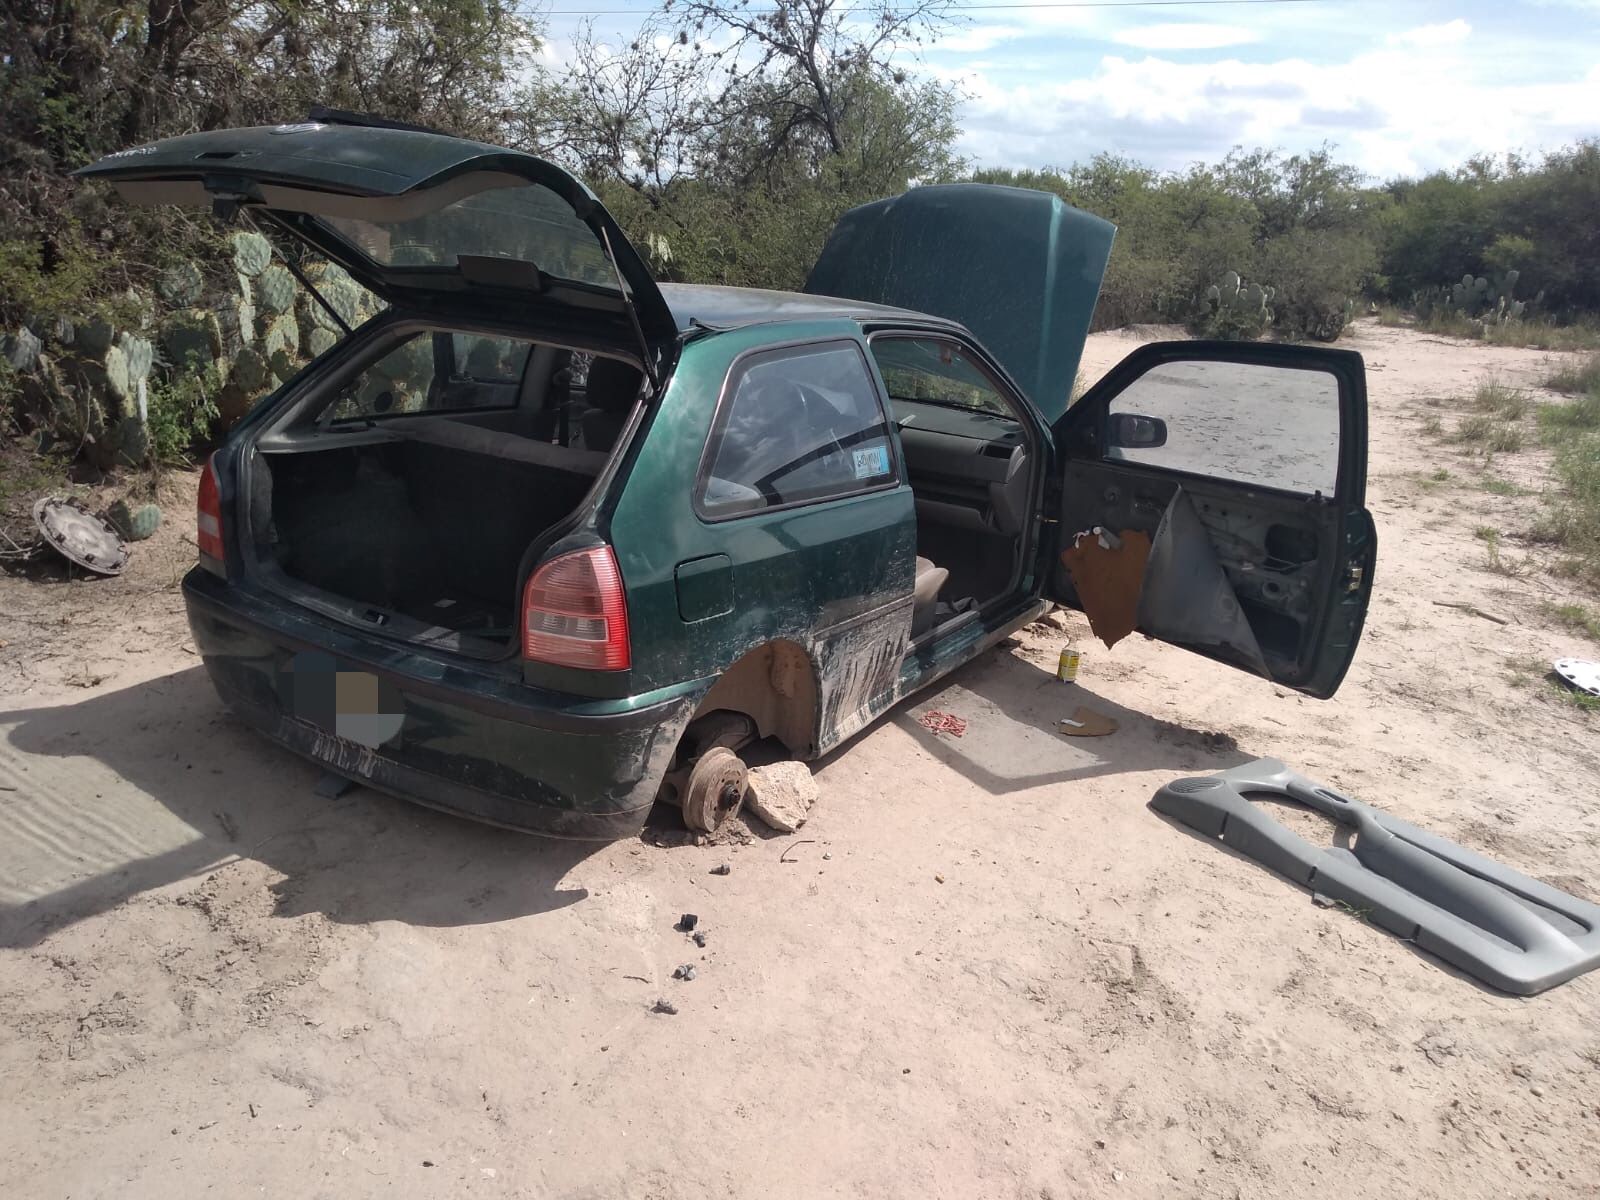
[{"x": 968, "y": 468}]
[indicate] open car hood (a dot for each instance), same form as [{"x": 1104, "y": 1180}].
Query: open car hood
[
  {"x": 420, "y": 218},
  {"x": 1018, "y": 267}
]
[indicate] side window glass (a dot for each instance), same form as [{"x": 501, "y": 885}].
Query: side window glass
[
  {"x": 489, "y": 359},
  {"x": 436, "y": 372},
  {"x": 802, "y": 424},
  {"x": 1273, "y": 426}
]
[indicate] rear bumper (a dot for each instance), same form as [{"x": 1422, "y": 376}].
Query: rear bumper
[{"x": 469, "y": 742}]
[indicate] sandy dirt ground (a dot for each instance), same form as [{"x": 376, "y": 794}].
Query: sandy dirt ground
[{"x": 984, "y": 968}]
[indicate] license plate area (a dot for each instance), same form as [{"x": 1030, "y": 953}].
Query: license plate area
[{"x": 354, "y": 706}]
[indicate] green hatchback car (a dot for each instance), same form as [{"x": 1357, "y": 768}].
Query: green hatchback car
[{"x": 547, "y": 541}]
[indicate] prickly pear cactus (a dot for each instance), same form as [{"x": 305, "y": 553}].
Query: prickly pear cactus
[
  {"x": 407, "y": 368},
  {"x": 283, "y": 363},
  {"x": 1234, "y": 309},
  {"x": 251, "y": 253},
  {"x": 275, "y": 290},
  {"x": 77, "y": 414},
  {"x": 134, "y": 523},
  {"x": 94, "y": 336},
  {"x": 22, "y": 349},
  {"x": 181, "y": 284},
  {"x": 139, "y": 354},
  {"x": 192, "y": 337},
  {"x": 246, "y": 319},
  {"x": 283, "y": 335},
  {"x": 1478, "y": 298},
  {"x": 127, "y": 444},
  {"x": 118, "y": 382},
  {"x": 320, "y": 272},
  {"x": 343, "y": 296},
  {"x": 251, "y": 371},
  {"x": 237, "y": 318},
  {"x": 320, "y": 341}
]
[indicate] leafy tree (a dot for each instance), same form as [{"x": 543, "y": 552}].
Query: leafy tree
[{"x": 728, "y": 141}]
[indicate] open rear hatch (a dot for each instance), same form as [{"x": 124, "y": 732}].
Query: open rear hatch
[
  {"x": 401, "y": 485},
  {"x": 430, "y": 222}
]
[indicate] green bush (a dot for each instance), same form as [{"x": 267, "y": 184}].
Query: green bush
[
  {"x": 1316, "y": 277},
  {"x": 182, "y": 409}
]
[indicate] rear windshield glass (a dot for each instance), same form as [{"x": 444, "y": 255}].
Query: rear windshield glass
[
  {"x": 436, "y": 372},
  {"x": 525, "y": 222}
]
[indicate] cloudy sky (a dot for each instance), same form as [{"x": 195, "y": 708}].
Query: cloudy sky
[{"x": 1398, "y": 86}]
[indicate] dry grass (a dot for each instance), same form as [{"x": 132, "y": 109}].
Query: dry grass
[
  {"x": 1501, "y": 487},
  {"x": 1576, "y": 618},
  {"x": 1501, "y": 400},
  {"x": 1573, "y": 519},
  {"x": 1577, "y": 378},
  {"x": 1535, "y": 335},
  {"x": 1490, "y": 434}
]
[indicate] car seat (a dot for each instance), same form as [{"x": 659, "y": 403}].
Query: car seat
[{"x": 612, "y": 388}]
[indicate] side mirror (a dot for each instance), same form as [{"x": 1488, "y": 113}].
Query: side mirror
[{"x": 1132, "y": 431}]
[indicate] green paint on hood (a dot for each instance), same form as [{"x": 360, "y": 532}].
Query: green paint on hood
[{"x": 1019, "y": 268}]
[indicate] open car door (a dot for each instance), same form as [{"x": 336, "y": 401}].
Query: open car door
[{"x": 1229, "y": 480}]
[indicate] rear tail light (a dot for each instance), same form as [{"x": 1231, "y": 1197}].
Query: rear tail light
[
  {"x": 574, "y": 613},
  {"x": 208, "y": 520}
]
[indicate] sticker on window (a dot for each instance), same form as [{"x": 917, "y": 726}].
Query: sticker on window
[{"x": 870, "y": 461}]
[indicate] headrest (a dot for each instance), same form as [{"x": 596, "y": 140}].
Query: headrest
[{"x": 613, "y": 384}]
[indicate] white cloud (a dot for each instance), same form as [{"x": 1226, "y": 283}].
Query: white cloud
[
  {"x": 1391, "y": 110},
  {"x": 973, "y": 39},
  {"x": 1428, "y": 36},
  {"x": 1177, "y": 36}
]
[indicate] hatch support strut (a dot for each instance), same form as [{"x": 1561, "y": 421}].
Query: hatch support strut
[
  {"x": 633, "y": 313},
  {"x": 295, "y": 270}
]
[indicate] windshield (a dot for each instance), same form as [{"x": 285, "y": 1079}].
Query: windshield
[
  {"x": 525, "y": 222},
  {"x": 935, "y": 371}
]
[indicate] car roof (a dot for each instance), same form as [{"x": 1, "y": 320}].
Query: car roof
[{"x": 734, "y": 307}]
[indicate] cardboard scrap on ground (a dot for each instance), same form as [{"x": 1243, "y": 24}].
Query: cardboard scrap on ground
[{"x": 1085, "y": 722}]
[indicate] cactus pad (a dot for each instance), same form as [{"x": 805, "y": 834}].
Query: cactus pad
[
  {"x": 282, "y": 335},
  {"x": 275, "y": 290},
  {"x": 251, "y": 371},
  {"x": 118, "y": 382},
  {"x": 283, "y": 363},
  {"x": 139, "y": 354},
  {"x": 320, "y": 273},
  {"x": 320, "y": 341},
  {"x": 134, "y": 523},
  {"x": 192, "y": 336},
  {"x": 22, "y": 349},
  {"x": 343, "y": 296},
  {"x": 252, "y": 253},
  {"x": 180, "y": 284}
]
